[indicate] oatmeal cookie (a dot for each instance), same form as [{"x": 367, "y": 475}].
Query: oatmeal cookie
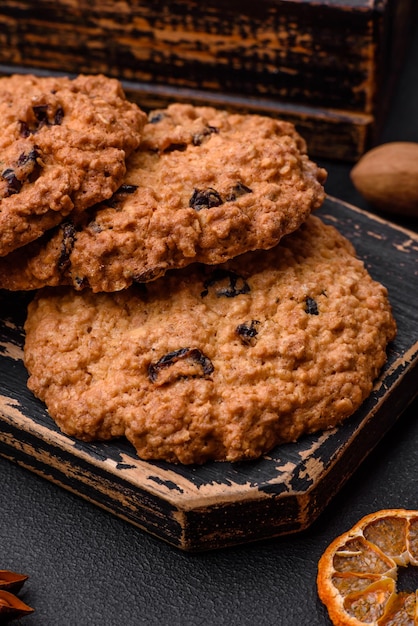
[
  {"x": 219, "y": 362},
  {"x": 63, "y": 146},
  {"x": 205, "y": 185}
]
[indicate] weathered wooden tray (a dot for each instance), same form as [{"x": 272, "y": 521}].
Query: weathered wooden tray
[{"x": 220, "y": 504}]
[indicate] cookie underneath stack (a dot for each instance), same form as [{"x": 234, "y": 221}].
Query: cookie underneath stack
[
  {"x": 201, "y": 311},
  {"x": 217, "y": 362}
]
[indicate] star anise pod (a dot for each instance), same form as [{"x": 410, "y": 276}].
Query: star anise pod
[{"x": 12, "y": 607}]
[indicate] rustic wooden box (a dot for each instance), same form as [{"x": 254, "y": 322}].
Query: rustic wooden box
[{"x": 327, "y": 65}]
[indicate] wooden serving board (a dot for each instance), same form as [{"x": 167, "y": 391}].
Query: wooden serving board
[{"x": 220, "y": 504}]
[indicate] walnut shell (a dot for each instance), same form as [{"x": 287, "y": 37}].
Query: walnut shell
[{"x": 387, "y": 177}]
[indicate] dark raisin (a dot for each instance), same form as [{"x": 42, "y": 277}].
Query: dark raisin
[
  {"x": 41, "y": 113},
  {"x": 154, "y": 118},
  {"x": 28, "y": 166},
  {"x": 238, "y": 190},
  {"x": 80, "y": 282},
  {"x": 59, "y": 116},
  {"x": 248, "y": 332},
  {"x": 176, "y": 147},
  {"x": 198, "y": 138},
  {"x": 67, "y": 244},
  {"x": 117, "y": 199},
  {"x": 311, "y": 306},
  {"x": 14, "y": 185},
  {"x": 127, "y": 189},
  {"x": 205, "y": 199},
  {"x": 234, "y": 285},
  {"x": 24, "y": 130},
  {"x": 170, "y": 358},
  {"x": 25, "y": 158}
]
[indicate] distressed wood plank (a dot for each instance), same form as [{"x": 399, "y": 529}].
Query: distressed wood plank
[{"x": 332, "y": 57}]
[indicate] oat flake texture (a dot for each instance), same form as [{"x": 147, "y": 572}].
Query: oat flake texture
[
  {"x": 204, "y": 186},
  {"x": 63, "y": 147}
]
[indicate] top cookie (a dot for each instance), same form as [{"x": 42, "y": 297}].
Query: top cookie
[
  {"x": 63, "y": 144},
  {"x": 205, "y": 185},
  {"x": 216, "y": 362}
]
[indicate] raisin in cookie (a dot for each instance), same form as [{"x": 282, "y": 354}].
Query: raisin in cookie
[
  {"x": 219, "y": 362},
  {"x": 205, "y": 186},
  {"x": 63, "y": 145}
]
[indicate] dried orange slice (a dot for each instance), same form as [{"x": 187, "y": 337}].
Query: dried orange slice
[{"x": 358, "y": 571}]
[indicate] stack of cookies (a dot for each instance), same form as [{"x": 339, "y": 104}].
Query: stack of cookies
[{"x": 185, "y": 296}]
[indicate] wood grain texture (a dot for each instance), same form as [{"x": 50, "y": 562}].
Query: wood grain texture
[
  {"x": 221, "y": 504},
  {"x": 314, "y": 60}
]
